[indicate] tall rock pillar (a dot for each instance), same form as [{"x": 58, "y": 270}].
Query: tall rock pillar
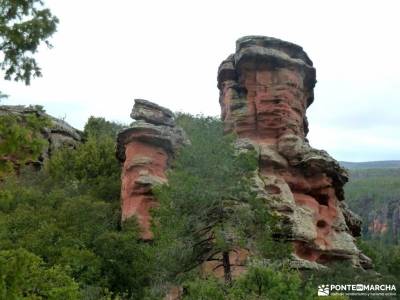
[
  {"x": 145, "y": 149},
  {"x": 265, "y": 88}
]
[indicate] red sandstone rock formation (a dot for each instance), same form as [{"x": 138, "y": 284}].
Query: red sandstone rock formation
[
  {"x": 265, "y": 88},
  {"x": 145, "y": 150}
]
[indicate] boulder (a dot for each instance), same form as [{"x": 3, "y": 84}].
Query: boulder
[{"x": 152, "y": 113}]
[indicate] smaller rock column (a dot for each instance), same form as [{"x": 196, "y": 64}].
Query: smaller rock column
[{"x": 145, "y": 150}]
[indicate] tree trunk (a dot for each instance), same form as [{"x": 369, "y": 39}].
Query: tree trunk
[{"x": 227, "y": 267}]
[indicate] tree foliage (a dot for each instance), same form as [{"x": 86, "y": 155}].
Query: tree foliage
[
  {"x": 24, "y": 275},
  {"x": 386, "y": 258},
  {"x": 62, "y": 225},
  {"x": 24, "y": 25},
  {"x": 21, "y": 140},
  {"x": 209, "y": 210},
  {"x": 206, "y": 202},
  {"x": 375, "y": 195},
  {"x": 68, "y": 215},
  {"x": 92, "y": 168},
  {"x": 101, "y": 128},
  {"x": 259, "y": 282}
]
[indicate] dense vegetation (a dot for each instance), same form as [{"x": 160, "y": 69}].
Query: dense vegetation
[
  {"x": 61, "y": 236},
  {"x": 20, "y": 140},
  {"x": 375, "y": 195},
  {"x": 64, "y": 222},
  {"x": 208, "y": 210}
]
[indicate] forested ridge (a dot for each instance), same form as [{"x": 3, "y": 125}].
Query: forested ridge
[
  {"x": 374, "y": 193},
  {"x": 61, "y": 235}
]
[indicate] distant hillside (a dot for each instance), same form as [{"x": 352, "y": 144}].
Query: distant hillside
[
  {"x": 374, "y": 193},
  {"x": 385, "y": 164}
]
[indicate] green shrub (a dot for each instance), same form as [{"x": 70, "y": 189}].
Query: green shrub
[
  {"x": 23, "y": 275},
  {"x": 21, "y": 141}
]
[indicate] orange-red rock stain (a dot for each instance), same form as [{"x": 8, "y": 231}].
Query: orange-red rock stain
[
  {"x": 137, "y": 199},
  {"x": 276, "y": 105}
]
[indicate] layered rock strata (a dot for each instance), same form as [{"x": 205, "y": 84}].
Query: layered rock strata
[
  {"x": 265, "y": 88},
  {"x": 145, "y": 150},
  {"x": 59, "y": 133}
]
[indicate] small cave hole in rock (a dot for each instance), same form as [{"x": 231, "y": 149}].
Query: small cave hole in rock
[
  {"x": 322, "y": 199},
  {"x": 277, "y": 101},
  {"x": 304, "y": 252},
  {"x": 273, "y": 189},
  {"x": 321, "y": 224},
  {"x": 241, "y": 90},
  {"x": 323, "y": 259}
]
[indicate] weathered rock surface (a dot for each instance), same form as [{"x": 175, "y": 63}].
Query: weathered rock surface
[
  {"x": 145, "y": 149},
  {"x": 265, "y": 88},
  {"x": 59, "y": 134}
]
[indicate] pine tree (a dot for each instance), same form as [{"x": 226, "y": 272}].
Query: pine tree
[{"x": 205, "y": 208}]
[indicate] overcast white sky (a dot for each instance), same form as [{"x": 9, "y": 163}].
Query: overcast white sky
[{"x": 106, "y": 53}]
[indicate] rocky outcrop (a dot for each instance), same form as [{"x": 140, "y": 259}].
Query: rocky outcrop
[
  {"x": 145, "y": 149},
  {"x": 58, "y": 133},
  {"x": 265, "y": 88}
]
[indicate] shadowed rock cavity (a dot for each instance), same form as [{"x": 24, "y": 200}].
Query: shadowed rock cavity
[
  {"x": 145, "y": 150},
  {"x": 265, "y": 89}
]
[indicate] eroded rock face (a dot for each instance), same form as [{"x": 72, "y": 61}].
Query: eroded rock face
[
  {"x": 59, "y": 134},
  {"x": 265, "y": 88},
  {"x": 145, "y": 149}
]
